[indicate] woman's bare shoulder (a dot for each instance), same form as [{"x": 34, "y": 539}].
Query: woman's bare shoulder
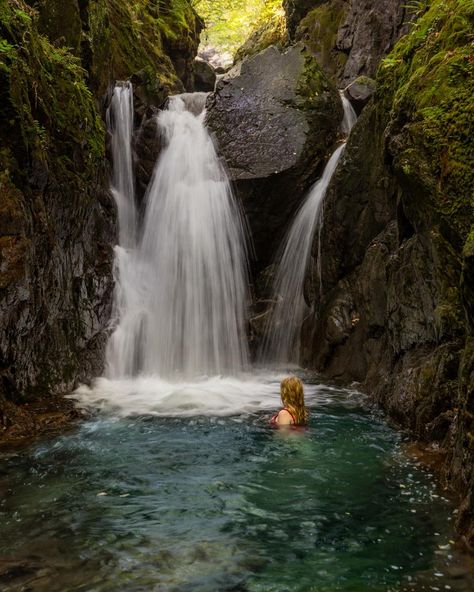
[{"x": 284, "y": 417}]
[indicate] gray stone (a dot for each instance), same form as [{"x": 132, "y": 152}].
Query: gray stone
[
  {"x": 348, "y": 37},
  {"x": 360, "y": 92},
  {"x": 275, "y": 117}
]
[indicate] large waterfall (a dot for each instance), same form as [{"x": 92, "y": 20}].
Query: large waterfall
[
  {"x": 181, "y": 292},
  {"x": 281, "y": 342}
]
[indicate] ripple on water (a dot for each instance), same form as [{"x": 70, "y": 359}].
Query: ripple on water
[{"x": 164, "y": 495}]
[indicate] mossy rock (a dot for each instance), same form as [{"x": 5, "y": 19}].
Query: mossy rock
[
  {"x": 46, "y": 97},
  {"x": 61, "y": 22},
  {"x": 126, "y": 38},
  {"x": 427, "y": 84},
  {"x": 319, "y": 30}
]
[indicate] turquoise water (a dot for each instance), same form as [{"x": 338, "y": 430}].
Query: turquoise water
[{"x": 211, "y": 504}]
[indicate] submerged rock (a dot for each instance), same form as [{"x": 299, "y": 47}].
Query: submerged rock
[{"x": 275, "y": 117}]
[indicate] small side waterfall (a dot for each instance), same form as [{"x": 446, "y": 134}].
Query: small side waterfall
[
  {"x": 120, "y": 125},
  {"x": 281, "y": 342},
  {"x": 182, "y": 291}
]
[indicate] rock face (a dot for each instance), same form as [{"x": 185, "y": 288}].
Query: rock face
[
  {"x": 348, "y": 37},
  {"x": 396, "y": 312},
  {"x": 275, "y": 117},
  {"x": 296, "y": 10},
  {"x": 57, "y": 218}
]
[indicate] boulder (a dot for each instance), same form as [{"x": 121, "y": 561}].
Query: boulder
[
  {"x": 204, "y": 76},
  {"x": 360, "y": 92},
  {"x": 276, "y": 118}
]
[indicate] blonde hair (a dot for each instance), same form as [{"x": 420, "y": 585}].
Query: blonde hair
[{"x": 292, "y": 396}]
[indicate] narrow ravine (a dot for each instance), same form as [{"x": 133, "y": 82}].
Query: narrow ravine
[
  {"x": 176, "y": 482},
  {"x": 281, "y": 343},
  {"x": 199, "y": 199}
]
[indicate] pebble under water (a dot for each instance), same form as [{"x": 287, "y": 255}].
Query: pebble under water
[{"x": 193, "y": 501}]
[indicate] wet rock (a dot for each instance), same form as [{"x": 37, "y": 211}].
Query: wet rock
[
  {"x": 147, "y": 149},
  {"x": 204, "y": 76},
  {"x": 395, "y": 311},
  {"x": 360, "y": 92},
  {"x": 275, "y": 117},
  {"x": 57, "y": 217},
  {"x": 348, "y": 37}
]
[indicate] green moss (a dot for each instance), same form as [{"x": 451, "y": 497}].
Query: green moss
[
  {"x": 45, "y": 96},
  {"x": 427, "y": 84},
  {"x": 313, "y": 82},
  {"x": 468, "y": 250},
  {"x": 319, "y": 30},
  {"x": 126, "y": 38},
  {"x": 61, "y": 22}
]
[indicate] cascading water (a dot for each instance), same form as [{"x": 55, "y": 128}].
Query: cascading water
[
  {"x": 183, "y": 289},
  {"x": 281, "y": 342},
  {"x": 120, "y": 125}
]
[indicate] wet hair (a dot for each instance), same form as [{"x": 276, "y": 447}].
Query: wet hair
[{"x": 292, "y": 396}]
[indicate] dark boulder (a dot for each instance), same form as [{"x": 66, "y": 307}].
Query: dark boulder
[
  {"x": 204, "y": 76},
  {"x": 276, "y": 117}
]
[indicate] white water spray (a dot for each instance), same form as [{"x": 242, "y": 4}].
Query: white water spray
[
  {"x": 281, "y": 342},
  {"x": 183, "y": 289}
]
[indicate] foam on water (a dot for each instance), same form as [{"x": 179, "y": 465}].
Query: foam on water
[{"x": 207, "y": 396}]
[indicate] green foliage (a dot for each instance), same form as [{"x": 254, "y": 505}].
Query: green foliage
[
  {"x": 45, "y": 96},
  {"x": 229, "y": 25},
  {"x": 312, "y": 83},
  {"x": 427, "y": 84},
  {"x": 270, "y": 32}
]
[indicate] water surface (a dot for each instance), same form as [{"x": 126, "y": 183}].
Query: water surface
[{"x": 165, "y": 493}]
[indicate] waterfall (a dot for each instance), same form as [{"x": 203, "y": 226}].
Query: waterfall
[
  {"x": 182, "y": 290},
  {"x": 281, "y": 341},
  {"x": 120, "y": 125},
  {"x": 350, "y": 116}
]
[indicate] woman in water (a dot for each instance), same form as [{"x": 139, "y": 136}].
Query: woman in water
[{"x": 294, "y": 411}]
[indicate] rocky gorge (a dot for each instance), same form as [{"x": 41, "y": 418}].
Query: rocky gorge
[
  {"x": 395, "y": 309},
  {"x": 394, "y": 314}
]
